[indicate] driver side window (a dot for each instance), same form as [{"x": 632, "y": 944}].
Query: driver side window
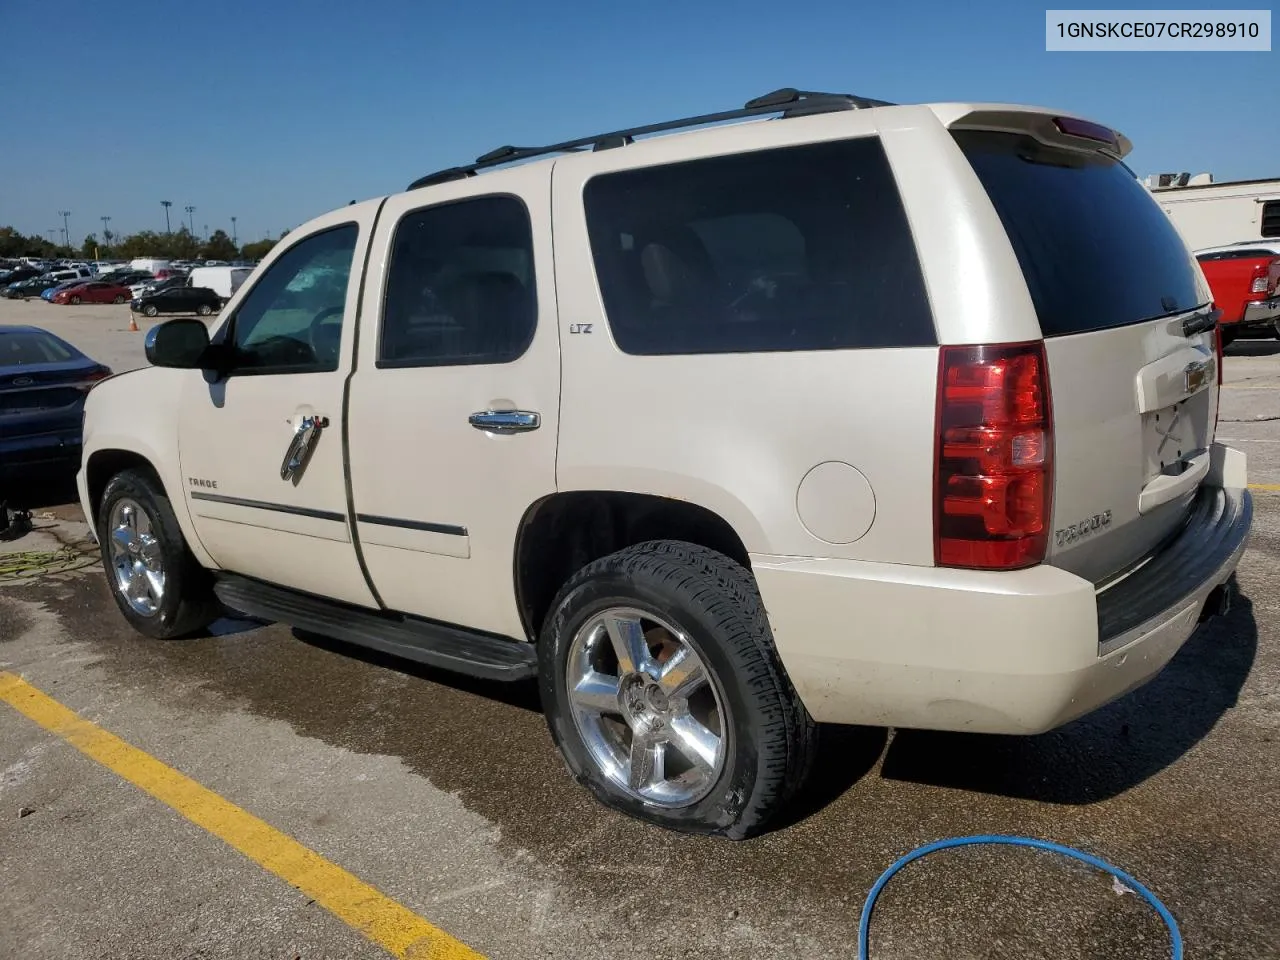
[{"x": 291, "y": 321}]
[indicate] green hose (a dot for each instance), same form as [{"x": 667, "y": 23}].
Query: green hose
[{"x": 32, "y": 563}]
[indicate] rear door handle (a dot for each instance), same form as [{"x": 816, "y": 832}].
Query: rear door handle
[{"x": 505, "y": 421}]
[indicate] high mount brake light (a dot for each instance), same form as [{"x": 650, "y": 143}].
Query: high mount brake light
[
  {"x": 1074, "y": 127},
  {"x": 993, "y": 464}
]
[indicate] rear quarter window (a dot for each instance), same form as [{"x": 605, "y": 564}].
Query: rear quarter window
[
  {"x": 798, "y": 248},
  {"x": 1096, "y": 249}
]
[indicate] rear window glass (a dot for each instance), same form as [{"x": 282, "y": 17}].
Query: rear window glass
[
  {"x": 25, "y": 346},
  {"x": 1096, "y": 249},
  {"x": 799, "y": 248}
]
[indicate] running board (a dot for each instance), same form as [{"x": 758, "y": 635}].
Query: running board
[{"x": 425, "y": 641}]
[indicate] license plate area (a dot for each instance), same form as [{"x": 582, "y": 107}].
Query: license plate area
[{"x": 1175, "y": 437}]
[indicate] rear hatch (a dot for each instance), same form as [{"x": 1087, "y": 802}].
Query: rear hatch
[{"x": 1131, "y": 355}]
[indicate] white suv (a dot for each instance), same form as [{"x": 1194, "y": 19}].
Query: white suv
[{"x": 852, "y": 413}]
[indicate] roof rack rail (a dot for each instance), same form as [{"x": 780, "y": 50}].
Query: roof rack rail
[{"x": 787, "y": 101}]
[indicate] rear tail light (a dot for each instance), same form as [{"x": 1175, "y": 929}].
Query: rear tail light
[
  {"x": 993, "y": 465},
  {"x": 93, "y": 379},
  {"x": 1258, "y": 282}
]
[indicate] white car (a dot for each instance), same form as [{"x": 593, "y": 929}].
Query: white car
[{"x": 873, "y": 414}]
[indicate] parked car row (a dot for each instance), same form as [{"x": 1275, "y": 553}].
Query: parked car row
[{"x": 145, "y": 292}]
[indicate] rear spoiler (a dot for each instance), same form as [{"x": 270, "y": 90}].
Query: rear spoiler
[{"x": 1053, "y": 128}]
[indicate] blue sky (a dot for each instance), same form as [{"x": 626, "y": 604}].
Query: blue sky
[{"x": 277, "y": 110}]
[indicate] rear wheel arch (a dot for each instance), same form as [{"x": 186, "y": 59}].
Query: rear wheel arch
[{"x": 562, "y": 533}]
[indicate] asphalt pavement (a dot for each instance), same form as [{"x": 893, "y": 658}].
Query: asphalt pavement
[{"x": 445, "y": 796}]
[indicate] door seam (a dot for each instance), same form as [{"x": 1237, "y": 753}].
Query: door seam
[{"x": 352, "y": 523}]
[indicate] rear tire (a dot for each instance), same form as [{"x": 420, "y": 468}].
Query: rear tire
[
  {"x": 156, "y": 582},
  {"x": 764, "y": 739}
]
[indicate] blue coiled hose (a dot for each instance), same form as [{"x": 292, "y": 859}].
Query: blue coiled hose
[{"x": 864, "y": 926}]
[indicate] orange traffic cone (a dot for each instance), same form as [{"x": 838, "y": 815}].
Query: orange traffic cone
[{"x": 133, "y": 324}]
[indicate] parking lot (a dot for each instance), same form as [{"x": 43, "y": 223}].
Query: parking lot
[{"x": 343, "y": 804}]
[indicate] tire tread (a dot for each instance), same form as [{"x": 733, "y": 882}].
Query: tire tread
[{"x": 787, "y": 735}]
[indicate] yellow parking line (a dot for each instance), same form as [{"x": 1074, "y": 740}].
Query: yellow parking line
[
  {"x": 1267, "y": 487},
  {"x": 387, "y": 923}
]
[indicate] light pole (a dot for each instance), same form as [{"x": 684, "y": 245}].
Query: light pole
[
  {"x": 66, "y": 230},
  {"x": 190, "y": 214},
  {"x": 106, "y": 232},
  {"x": 206, "y": 232},
  {"x": 234, "y": 240},
  {"x": 166, "y": 204}
]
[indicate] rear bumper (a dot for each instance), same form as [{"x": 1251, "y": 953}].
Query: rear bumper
[
  {"x": 1259, "y": 317},
  {"x": 1020, "y": 652}
]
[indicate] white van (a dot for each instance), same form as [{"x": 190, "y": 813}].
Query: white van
[
  {"x": 224, "y": 281},
  {"x": 151, "y": 265}
]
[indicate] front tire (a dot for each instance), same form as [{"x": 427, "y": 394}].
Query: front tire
[
  {"x": 150, "y": 310},
  {"x": 204, "y": 310},
  {"x": 156, "y": 582},
  {"x": 118, "y": 299},
  {"x": 75, "y": 301},
  {"x": 665, "y": 694}
]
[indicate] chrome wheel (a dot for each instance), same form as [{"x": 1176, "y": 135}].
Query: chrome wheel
[
  {"x": 136, "y": 559},
  {"x": 649, "y": 711}
]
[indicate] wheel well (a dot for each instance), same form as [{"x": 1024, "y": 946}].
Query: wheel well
[
  {"x": 105, "y": 464},
  {"x": 563, "y": 533}
]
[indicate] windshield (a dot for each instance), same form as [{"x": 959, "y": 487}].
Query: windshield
[{"x": 1096, "y": 249}]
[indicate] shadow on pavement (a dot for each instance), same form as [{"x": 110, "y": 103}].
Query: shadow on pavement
[
  {"x": 521, "y": 693},
  {"x": 39, "y": 492},
  {"x": 845, "y": 755},
  {"x": 1107, "y": 752},
  {"x": 1253, "y": 348}
]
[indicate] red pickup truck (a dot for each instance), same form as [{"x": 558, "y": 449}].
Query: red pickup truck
[{"x": 1243, "y": 278}]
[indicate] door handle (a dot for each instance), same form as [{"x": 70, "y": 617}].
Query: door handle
[
  {"x": 299, "y": 450},
  {"x": 505, "y": 421}
]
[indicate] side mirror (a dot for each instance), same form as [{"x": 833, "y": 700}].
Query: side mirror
[{"x": 178, "y": 343}]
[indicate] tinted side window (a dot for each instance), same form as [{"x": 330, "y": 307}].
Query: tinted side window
[
  {"x": 799, "y": 248},
  {"x": 460, "y": 285},
  {"x": 291, "y": 321},
  {"x": 1271, "y": 218},
  {"x": 1095, "y": 247}
]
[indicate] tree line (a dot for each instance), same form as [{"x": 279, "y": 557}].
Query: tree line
[{"x": 178, "y": 245}]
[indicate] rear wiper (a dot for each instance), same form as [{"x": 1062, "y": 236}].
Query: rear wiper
[{"x": 1200, "y": 322}]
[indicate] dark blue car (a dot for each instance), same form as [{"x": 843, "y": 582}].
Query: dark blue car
[{"x": 43, "y": 383}]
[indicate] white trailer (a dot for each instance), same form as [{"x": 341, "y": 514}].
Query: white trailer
[{"x": 1211, "y": 214}]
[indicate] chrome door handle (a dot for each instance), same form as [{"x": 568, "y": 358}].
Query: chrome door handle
[
  {"x": 505, "y": 421},
  {"x": 299, "y": 451}
]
